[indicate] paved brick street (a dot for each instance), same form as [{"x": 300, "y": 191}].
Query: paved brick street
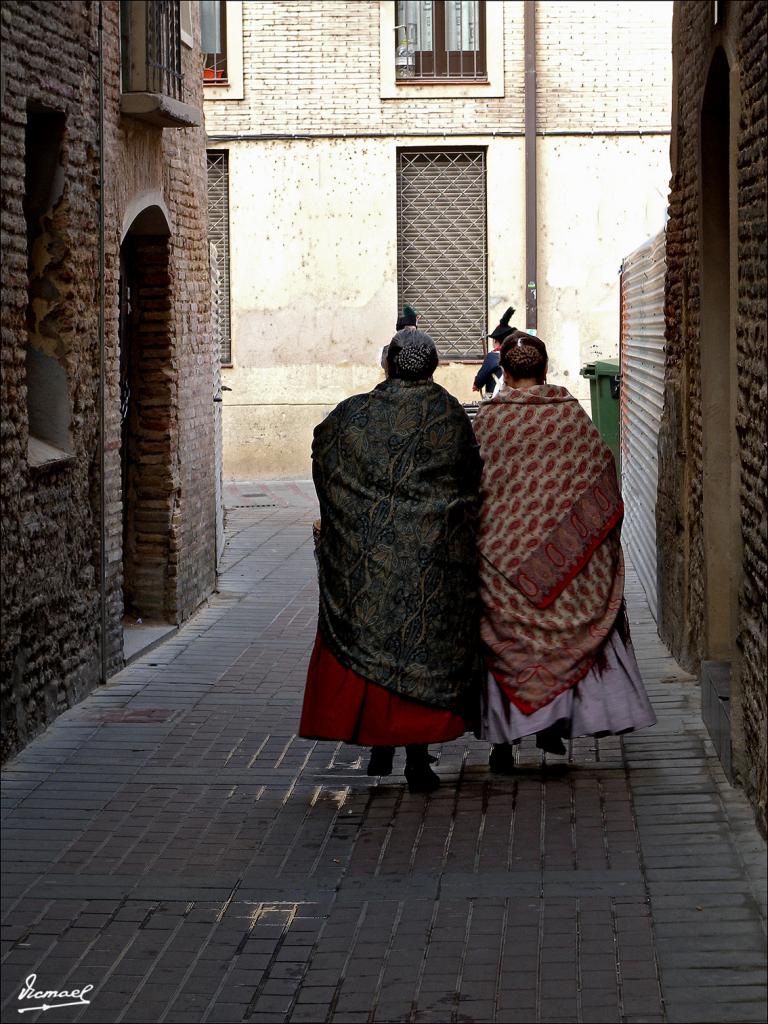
[{"x": 171, "y": 842}]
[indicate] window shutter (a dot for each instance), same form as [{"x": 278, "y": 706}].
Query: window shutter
[{"x": 442, "y": 263}]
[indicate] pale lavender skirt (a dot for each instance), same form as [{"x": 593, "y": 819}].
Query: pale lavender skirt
[{"x": 611, "y": 699}]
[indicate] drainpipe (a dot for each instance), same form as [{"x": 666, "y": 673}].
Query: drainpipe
[
  {"x": 529, "y": 44},
  {"x": 102, "y": 368}
]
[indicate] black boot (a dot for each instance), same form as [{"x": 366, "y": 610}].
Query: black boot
[
  {"x": 502, "y": 759},
  {"x": 550, "y": 740},
  {"x": 381, "y": 761},
  {"x": 418, "y": 774}
]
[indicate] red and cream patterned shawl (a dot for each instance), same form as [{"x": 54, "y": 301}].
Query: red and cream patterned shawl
[{"x": 551, "y": 568}]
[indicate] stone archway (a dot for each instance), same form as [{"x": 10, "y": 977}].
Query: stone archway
[
  {"x": 720, "y": 447},
  {"x": 149, "y": 414}
]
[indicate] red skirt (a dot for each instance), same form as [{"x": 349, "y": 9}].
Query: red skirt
[{"x": 341, "y": 705}]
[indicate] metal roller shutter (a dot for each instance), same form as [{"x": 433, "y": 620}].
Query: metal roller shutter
[
  {"x": 642, "y": 400},
  {"x": 218, "y": 234},
  {"x": 441, "y": 258}
]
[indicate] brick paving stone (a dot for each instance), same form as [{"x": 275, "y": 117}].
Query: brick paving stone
[
  {"x": 171, "y": 841},
  {"x": 698, "y": 1011}
]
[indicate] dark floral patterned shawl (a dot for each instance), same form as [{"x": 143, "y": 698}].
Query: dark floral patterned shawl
[{"x": 397, "y": 473}]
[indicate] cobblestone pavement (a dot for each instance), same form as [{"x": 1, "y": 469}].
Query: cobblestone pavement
[{"x": 171, "y": 842}]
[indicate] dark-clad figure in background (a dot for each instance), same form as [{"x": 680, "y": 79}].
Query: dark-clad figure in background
[
  {"x": 559, "y": 658},
  {"x": 395, "y": 659},
  {"x": 489, "y": 376}
]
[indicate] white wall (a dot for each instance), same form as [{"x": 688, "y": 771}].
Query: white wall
[{"x": 599, "y": 198}]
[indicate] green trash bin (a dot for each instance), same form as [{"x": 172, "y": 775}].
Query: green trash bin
[{"x": 604, "y": 377}]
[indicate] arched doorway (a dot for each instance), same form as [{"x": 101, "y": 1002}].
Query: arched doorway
[
  {"x": 721, "y": 462},
  {"x": 148, "y": 413}
]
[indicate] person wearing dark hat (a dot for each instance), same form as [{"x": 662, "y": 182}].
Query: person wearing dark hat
[
  {"x": 407, "y": 319},
  {"x": 490, "y": 373},
  {"x": 396, "y": 657}
]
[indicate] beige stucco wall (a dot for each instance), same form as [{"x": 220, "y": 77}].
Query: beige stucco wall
[
  {"x": 598, "y": 199},
  {"x": 314, "y": 285},
  {"x": 314, "y": 264},
  {"x": 313, "y": 221}
]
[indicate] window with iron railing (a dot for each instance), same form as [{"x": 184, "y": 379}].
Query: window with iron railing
[
  {"x": 150, "y": 39},
  {"x": 440, "y": 40},
  {"x": 213, "y": 35}
]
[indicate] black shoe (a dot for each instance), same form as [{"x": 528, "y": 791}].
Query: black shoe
[
  {"x": 381, "y": 761},
  {"x": 421, "y": 778},
  {"x": 550, "y": 740},
  {"x": 502, "y": 759}
]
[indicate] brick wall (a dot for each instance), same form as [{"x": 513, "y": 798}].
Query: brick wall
[
  {"x": 313, "y": 66},
  {"x": 171, "y": 162},
  {"x": 50, "y": 596},
  {"x": 680, "y": 513},
  {"x": 51, "y": 551},
  {"x": 603, "y": 66},
  {"x": 752, "y": 411}
]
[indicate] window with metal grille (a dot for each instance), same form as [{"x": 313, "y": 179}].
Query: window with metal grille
[
  {"x": 150, "y": 41},
  {"x": 213, "y": 41},
  {"x": 218, "y": 235},
  {"x": 441, "y": 246},
  {"x": 440, "y": 39}
]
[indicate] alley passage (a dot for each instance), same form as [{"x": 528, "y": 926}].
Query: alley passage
[{"x": 172, "y": 843}]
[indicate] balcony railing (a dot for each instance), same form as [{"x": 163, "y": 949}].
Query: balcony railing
[
  {"x": 151, "y": 48},
  {"x": 163, "y": 48},
  {"x": 152, "y": 77}
]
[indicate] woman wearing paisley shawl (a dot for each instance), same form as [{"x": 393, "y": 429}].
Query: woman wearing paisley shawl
[
  {"x": 553, "y": 624},
  {"x": 395, "y": 659}
]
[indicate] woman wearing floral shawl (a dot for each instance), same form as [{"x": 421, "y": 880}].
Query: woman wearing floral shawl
[
  {"x": 559, "y": 658},
  {"x": 396, "y": 472}
]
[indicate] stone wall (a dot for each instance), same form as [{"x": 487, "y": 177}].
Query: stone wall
[
  {"x": 51, "y": 495},
  {"x": 50, "y": 593},
  {"x": 682, "y": 543},
  {"x": 752, "y": 411}
]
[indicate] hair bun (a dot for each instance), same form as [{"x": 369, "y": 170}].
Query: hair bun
[
  {"x": 412, "y": 355},
  {"x": 524, "y": 356},
  {"x": 414, "y": 358}
]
